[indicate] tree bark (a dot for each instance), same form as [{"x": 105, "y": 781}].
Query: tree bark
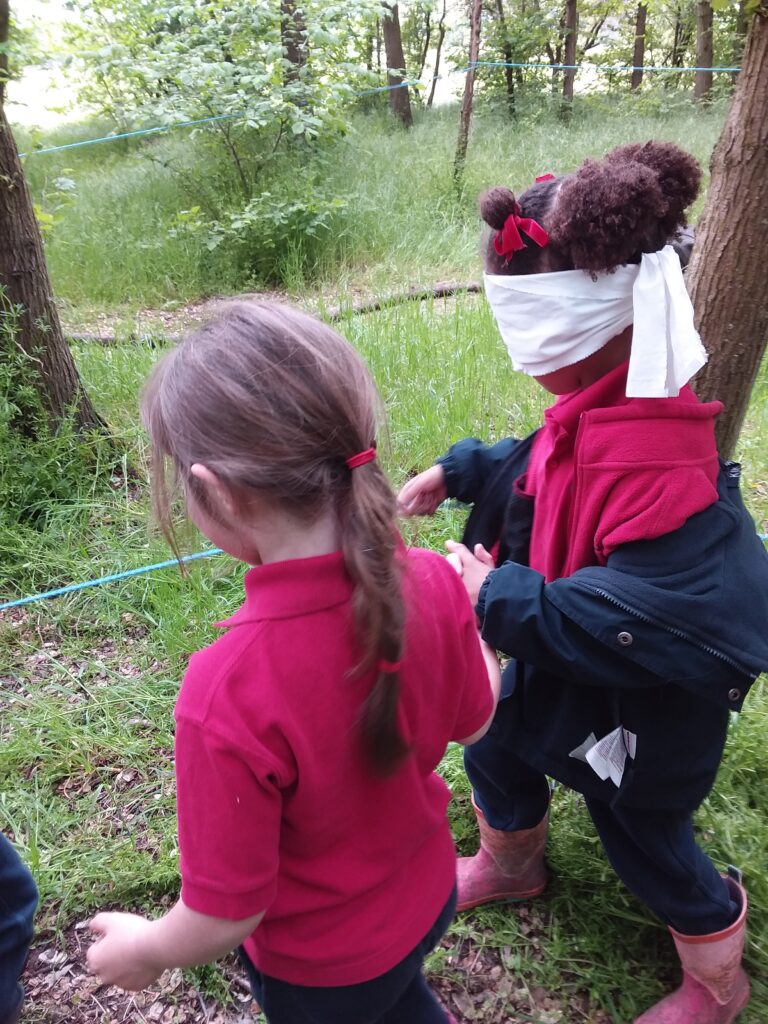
[
  {"x": 702, "y": 84},
  {"x": 24, "y": 277},
  {"x": 506, "y": 49},
  {"x": 293, "y": 35},
  {"x": 571, "y": 38},
  {"x": 726, "y": 275},
  {"x": 5, "y": 17},
  {"x": 438, "y": 51},
  {"x": 739, "y": 39},
  {"x": 399, "y": 100},
  {"x": 638, "y": 54},
  {"x": 465, "y": 117}
]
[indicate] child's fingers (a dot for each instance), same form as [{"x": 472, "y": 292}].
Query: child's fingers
[
  {"x": 455, "y": 561},
  {"x": 484, "y": 556},
  {"x": 99, "y": 924}
]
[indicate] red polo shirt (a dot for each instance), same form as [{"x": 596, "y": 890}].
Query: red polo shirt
[
  {"x": 607, "y": 470},
  {"x": 278, "y": 808}
]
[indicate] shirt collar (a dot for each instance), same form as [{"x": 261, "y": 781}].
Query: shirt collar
[
  {"x": 299, "y": 586},
  {"x": 606, "y": 392}
]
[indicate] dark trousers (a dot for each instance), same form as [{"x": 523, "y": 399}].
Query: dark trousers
[
  {"x": 401, "y": 996},
  {"x": 654, "y": 853},
  {"x": 18, "y": 900}
]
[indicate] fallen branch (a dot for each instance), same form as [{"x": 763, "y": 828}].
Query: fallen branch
[{"x": 441, "y": 290}]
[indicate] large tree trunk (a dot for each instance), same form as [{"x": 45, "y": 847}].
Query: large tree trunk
[
  {"x": 739, "y": 39},
  {"x": 293, "y": 34},
  {"x": 506, "y": 49},
  {"x": 571, "y": 38},
  {"x": 638, "y": 54},
  {"x": 24, "y": 277},
  {"x": 726, "y": 275},
  {"x": 702, "y": 85},
  {"x": 399, "y": 100},
  {"x": 438, "y": 51},
  {"x": 465, "y": 117}
]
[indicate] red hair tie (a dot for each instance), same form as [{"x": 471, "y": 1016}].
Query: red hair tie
[
  {"x": 508, "y": 241},
  {"x": 361, "y": 458},
  {"x": 388, "y": 667},
  {"x": 545, "y": 177}
]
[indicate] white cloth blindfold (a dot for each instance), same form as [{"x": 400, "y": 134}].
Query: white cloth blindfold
[{"x": 549, "y": 321}]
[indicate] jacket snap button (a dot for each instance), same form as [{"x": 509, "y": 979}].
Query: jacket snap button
[
  {"x": 625, "y": 639},
  {"x": 734, "y": 694}
]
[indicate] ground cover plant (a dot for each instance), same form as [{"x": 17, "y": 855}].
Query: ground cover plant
[{"x": 89, "y": 681}]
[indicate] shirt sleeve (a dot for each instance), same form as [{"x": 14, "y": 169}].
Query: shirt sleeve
[{"x": 229, "y": 809}]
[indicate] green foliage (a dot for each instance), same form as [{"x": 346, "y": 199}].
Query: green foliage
[{"x": 38, "y": 465}]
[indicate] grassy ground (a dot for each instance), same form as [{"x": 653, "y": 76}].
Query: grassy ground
[{"x": 90, "y": 680}]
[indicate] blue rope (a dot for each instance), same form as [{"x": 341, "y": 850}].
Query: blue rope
[
  {"x": 241, "y": 115},
  {"x": 74, "y": 587}
]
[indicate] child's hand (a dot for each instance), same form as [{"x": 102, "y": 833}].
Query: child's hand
[
  {"x": 423, "y": 493},
  {"x": 474, "y": 567},
  {"x": 119, "y": 955}
]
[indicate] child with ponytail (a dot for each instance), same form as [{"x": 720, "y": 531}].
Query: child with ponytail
[
  {"x": 627, "y": 584},
  {"x": 312, "y": 824}
]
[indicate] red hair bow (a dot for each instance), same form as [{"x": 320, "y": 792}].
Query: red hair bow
[{"x": 508, "y": 241}]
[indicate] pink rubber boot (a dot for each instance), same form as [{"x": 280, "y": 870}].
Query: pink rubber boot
[
  {"x": 715, "y": 988},
  {"x": 508, "y": 865}
]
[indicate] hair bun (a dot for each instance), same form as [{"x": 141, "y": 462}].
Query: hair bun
[
  {"x": 678, "y": 174},
  {"x": 603, "y": 213},
  {"x": 496, "y": 205}
]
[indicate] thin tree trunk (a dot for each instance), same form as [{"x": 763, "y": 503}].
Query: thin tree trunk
[
  {"x": 638, "y": 55},
  {"x": 509, "y": 75},
  {"x": 427, "y": 40},
  {"x": 438, "y": 51},
  {"x": 726, "y": 275},
  {"x": 293, "y": 34},
  {"x": 399, "y": 100},
  {"x": 571, "y": 38},
  {"x": 378, "y": 44},
  {"x": 739, "y": 39},
  {"x": 24, "y": 277},
  {"x": 465, "y": 118},
  {"x": 702, "y": 84}
]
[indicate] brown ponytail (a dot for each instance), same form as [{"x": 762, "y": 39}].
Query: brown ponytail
[
  {"x": 275, "y": 402},
  {"x": 370, "y": 544}
]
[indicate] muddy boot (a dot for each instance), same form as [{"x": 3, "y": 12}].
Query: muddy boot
[
  {"x": 715, "y": 988},
  {"x": 508, "y": 865}
]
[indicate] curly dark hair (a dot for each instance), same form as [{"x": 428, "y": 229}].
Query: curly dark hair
[{"x": 606, "y": 213}]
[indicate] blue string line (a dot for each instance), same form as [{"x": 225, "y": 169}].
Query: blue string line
[
  {"x": 410, "y": 84},
  {"x": 73, "y": 587}
]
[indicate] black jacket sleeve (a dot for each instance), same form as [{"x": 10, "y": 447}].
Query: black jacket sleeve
[{"x": 470, "y": 463}]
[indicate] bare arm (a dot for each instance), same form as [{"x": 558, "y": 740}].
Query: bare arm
[
  {"x": 494, "y": 678},
  {"x": 132, "y": 952}
]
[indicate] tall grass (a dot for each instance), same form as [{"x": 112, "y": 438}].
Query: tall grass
[
  {"x": 86, "y": 734},
  {"x": 118, "y": 238}
]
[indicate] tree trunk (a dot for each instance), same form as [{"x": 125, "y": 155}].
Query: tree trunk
[
  {"x": 399, "y": 101},
  {"x": 702, "y": 85},
  {"x": 509, "y": 74},
  {"x": 24, "y": 276},
  {"x": 739, "y": 40},
  {"x": 571, "y": 38},
  {"x": 638, "y": 55},
  {"x": 440, "y": 39},
  {"x": 293, "y": 35},
  {"x": 465, "y": 117},
  {"x": 427, "y": 40},
  {"x": 726, "y": 275}
]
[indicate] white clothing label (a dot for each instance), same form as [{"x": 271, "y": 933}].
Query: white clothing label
[{"x": 609, "y": 755}]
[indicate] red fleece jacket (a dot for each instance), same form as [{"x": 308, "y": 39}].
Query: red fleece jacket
[{"x": 606, "y": 470}]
